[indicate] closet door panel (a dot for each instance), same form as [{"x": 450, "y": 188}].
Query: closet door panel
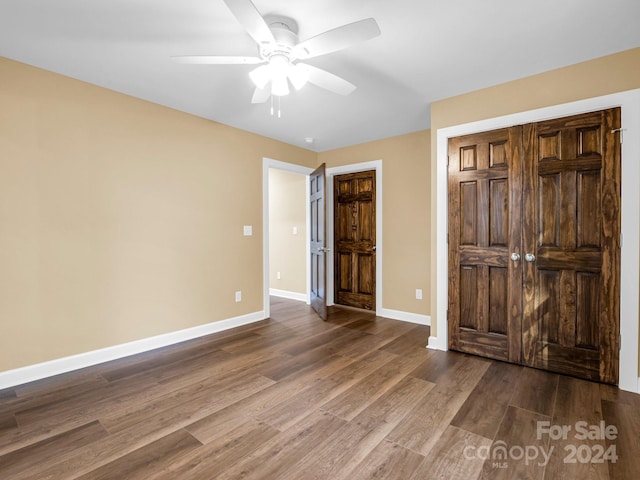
[
  {"x": 572, "y": 191},
  {"x": 485, "y": 286}
]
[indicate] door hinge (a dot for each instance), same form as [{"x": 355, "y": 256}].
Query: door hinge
[
  {"x": 448, "y": 160},
  {"x": 619, "y": 342},
  {"x": 621, "y": 130}
]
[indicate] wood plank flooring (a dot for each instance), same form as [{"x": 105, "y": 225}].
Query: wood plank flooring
[{"x": 356, "y": 397}]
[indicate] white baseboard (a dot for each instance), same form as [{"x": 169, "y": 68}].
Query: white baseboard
[
  {"x": 405, "y": 316},
  {"x": 302, "y": 297},
  {"x": 435, "y": 343},
  {"x": 11, "y": 378}
]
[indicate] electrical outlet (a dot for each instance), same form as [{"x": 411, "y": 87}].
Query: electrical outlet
[
  {"x": 418, "y": 294},
  {"x": 247, "y": 230},
  {"x": 238, "y": 296}
]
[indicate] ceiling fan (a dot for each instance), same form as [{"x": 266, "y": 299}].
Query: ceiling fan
[{"x": 280, "y": 52}]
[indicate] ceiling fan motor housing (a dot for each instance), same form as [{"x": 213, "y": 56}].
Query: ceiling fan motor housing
[{"x": 285, "y": 32}]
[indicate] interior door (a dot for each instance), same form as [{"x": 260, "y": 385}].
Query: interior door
[
  {"x": 317, "y": 182},
  {"x": 534, "y": 245},
  {"x": 485, "y": 284},
  {"x": 355, "y": 239},
  {"x": 571, "y": 242}
]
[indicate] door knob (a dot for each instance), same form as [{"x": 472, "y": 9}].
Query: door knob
[
  {"x": 515, "y": 256},
  {"x": 530, "y": 257}
]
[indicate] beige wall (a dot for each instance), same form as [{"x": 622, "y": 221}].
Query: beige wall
[
  {"x": 606, "y": 75},
  {"x": 287, "y": 251},
  {"x": 405, "y": 214},
  {"x": 120, "y": 219},
  {"x": 123, "y": 219}
]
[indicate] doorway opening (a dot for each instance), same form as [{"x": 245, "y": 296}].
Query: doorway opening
[
  {"x": 268, "y": 164},
  {"x": 285, "y": 188}
]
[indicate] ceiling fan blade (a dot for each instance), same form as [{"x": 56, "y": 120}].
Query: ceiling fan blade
[
  {"x": 216, "y": 60},
  {"x": 249, "y": 17},
  {"x": 261, "y": 95},
  {"x": 337, "y": 39},
  {"x": 329, "y": 81}
]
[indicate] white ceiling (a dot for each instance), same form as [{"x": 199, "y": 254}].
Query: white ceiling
[{"x": 428, "y": 50}]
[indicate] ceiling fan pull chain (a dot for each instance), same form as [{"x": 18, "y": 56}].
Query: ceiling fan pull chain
[
  {"x": 272, "y": 105},
  {"x": 279, "y": 111}
]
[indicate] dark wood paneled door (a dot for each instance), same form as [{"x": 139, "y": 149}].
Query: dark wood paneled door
[
  {"x": 355, "y": 239},
  {"x": 572, "y": 231},
  {"x": 317, "y": 247},
  {"x": 485, "y": 285},
  {"x": 534, "y": 245}
]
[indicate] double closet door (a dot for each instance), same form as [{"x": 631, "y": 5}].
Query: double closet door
[{"x": 534, "y": 245}]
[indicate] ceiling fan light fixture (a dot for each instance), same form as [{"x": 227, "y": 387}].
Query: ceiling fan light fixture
[
  {"x": 279, "y": 86},
  {"x": 279, "y": 66},
  {"x": 260, "y": 76},
  {"x": 279, "y": 70},
  {"x": 298, "y": 75}
]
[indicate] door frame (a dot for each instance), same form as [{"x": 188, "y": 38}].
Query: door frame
[
  {"x": 630, "y": 252},
  {"x": 268, "y": 163},
  {"x": 354, "y": 168}
]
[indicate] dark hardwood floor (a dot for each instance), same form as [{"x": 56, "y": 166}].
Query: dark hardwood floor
[{"x": 356, "y": 397}]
